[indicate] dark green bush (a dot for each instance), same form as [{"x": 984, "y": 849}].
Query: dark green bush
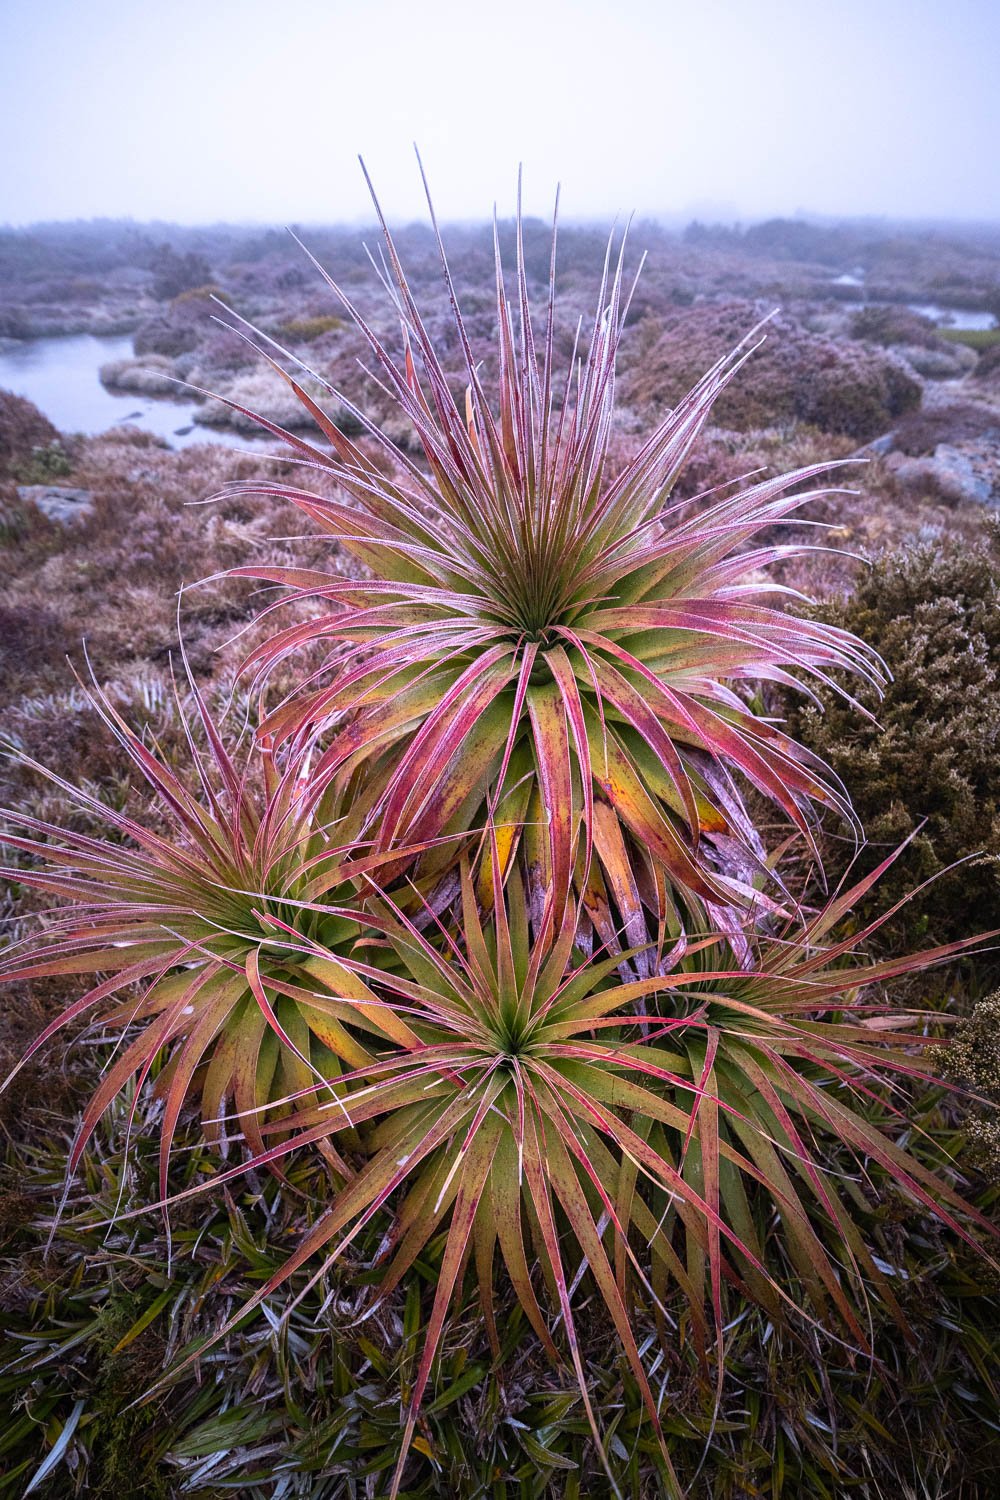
[
  {"x": 161, "y": 335},
  {"x": 935, "y": 618},
  {"x": 989, "y": 363},
  {"x": 174, "y": 273}
]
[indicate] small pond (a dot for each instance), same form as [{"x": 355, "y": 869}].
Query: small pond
[
  {"x": 60, "y": 375},
  {"x": 954, "y": 317}
]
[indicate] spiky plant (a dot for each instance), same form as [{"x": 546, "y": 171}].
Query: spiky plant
[
  {"x": 539, "y": 1119},
  {"x": 540, "y": 635},
  {"x": 191, "y": 929},
  {"x": 546, "y": 669}
]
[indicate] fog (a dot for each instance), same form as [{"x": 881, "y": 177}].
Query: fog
[{"x": 256, "y": 111}]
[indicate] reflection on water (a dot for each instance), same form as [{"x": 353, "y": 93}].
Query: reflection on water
[
  {"x": 954, "y": 317},
  {"x": 60, "y": 375}
]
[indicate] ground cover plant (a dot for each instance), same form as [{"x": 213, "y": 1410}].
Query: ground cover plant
[
  {"x": 482, "y": 916},
  {"x": 928, "y": 772},
  {"x": 315, "y": 1413}
]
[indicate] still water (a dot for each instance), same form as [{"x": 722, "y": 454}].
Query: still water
[
  {"x": 955, "y": 317},
  {"x": 60, "y": 375}
]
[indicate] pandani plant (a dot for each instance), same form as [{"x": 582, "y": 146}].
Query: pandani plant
[
  {"x": 214, "y": 933},
  {"x": 549, "y": 1116},
  {"x": 540, "y": 636},
  {"x": 483, "y": 914}
]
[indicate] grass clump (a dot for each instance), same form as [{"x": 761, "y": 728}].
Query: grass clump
[{"x": 305, "y": 1402}]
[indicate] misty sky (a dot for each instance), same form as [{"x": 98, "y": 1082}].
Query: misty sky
[{"x": 255, "y": 110}]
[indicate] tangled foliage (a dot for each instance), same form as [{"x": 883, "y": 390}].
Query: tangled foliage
[{"x": 930, "y": 763}]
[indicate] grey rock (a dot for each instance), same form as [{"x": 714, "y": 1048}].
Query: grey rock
[
  {"x": 957, "y": 472},
  {"x": 972, "y": 468},
  {"x": 62, "y": 505},
  {"x": 921, "y": 476}
]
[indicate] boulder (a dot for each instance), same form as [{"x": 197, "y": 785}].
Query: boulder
[
  {"x": 973, "y": 468},
  {"x": 955, "y": 472},
  {"x": 63, "y": 505}
]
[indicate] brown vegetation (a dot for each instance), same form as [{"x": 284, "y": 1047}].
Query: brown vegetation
[
  {"x": 798, "y": 376},
  {"x": 22, "y": 430}
]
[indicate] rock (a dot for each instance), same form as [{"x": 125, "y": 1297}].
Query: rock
[
  {"x": 64, "y": 506},
  {"x": 879, "y": 445},
  {"x": 956, "y": 472},
  {"x": 973, "y": 468}
]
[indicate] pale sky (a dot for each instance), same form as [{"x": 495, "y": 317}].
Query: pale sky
[{"x": 255, "y": 110}]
